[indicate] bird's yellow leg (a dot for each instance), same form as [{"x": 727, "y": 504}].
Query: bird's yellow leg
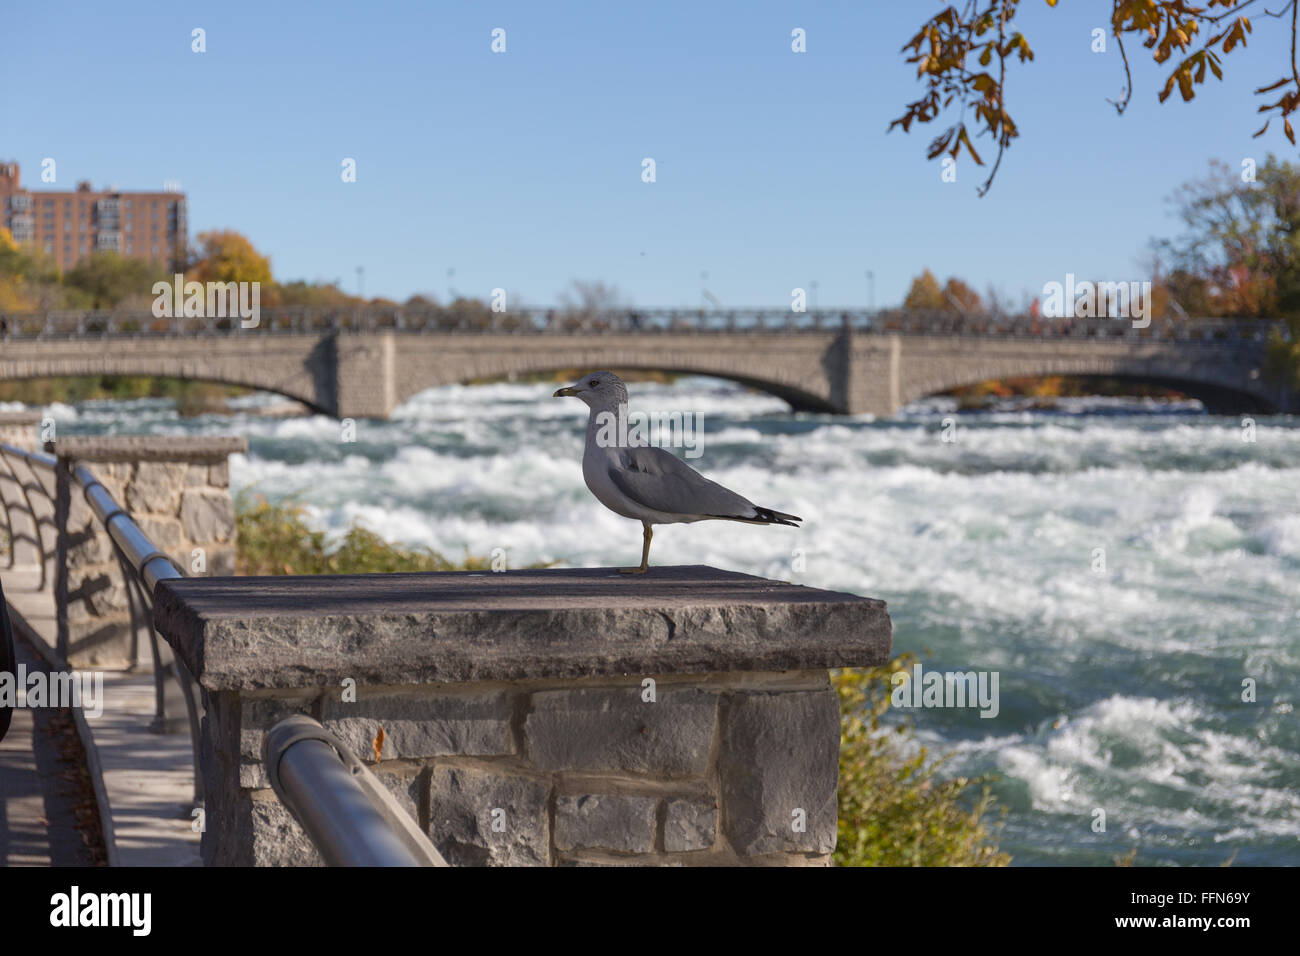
[{"x": 646, "y": 535}]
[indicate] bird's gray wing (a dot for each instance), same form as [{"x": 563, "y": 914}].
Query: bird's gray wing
[{"x": 661, "y": 481}]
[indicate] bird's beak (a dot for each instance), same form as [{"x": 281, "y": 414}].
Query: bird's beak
[{"x": 565, "y": 392}]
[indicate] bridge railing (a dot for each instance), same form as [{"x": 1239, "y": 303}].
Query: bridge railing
[
  {"x": 473, "y": 317},
  {"x": 30, "y": 517}
]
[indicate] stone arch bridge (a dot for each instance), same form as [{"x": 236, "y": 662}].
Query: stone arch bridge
[{"x": 364, "y": 366}]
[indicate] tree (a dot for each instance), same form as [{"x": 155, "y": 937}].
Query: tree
[
  {"x": 13, "y": 269},
  {"x": 227, "y": 256},
  {"x": 1240, "y": 255},
  {"x": 961, "y": 297},
  {"x": 589, "y": 298},
  {"x": 317, "y": 294},
  {"x": 106, "y": 279},
  {"x": 10, "y": 253},
  {"x": 954, "y": 296},
  {"x": 584, "y": 303},
  {"x": 29, "y": 279},
  {"x": 924, "y": 293},
  {"x": 953, "y": 48}
]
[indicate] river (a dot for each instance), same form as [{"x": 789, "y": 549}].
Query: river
[{"x": 1122, "y": 565}]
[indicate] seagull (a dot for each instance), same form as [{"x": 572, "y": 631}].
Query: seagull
[{"x": 649, "y": 484}]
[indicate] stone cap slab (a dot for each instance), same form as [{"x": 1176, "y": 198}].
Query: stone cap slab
[
  {"x": 146, "y": 447},
  {"x": 20, "y": 418},
  {"x": 263, "y": 632}
]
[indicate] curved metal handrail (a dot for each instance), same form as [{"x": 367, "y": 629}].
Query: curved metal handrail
[
  {"x": 349, "y": 815},
  {"x": 143, "y": 565},
  {"x": 39, "y": 460},
  {"x": 143, "y": 556},
  {"x": 151, "y": 566}
]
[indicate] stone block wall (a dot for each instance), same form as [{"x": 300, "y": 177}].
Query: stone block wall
[
  {"x": 177, "y": 490},
  {"x": 709, "y": 769},
  {"x": 553, "y": 717}
]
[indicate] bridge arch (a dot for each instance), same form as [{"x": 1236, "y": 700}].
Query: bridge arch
[
  {"x": 799, "y": 399},
  {"x": 298, "y": 367},
  {"x": 790, "y": 367},
  {"x": 236, "y": 381},
  {"x": 1224, "y": 387}
]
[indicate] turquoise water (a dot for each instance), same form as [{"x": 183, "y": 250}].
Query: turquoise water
[{"x": 1120, "y": 685}]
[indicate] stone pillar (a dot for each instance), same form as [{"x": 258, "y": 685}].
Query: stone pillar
[
  {"x": 366, "y": 382},
  {"x": 874, "y": 369},
  {"x": 538, "y": 718},
  {"x": 177, "y": 490},
  {"x": 20, "y": 429}
]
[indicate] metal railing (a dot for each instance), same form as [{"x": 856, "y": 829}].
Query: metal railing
[
  {"x": 142, "y": 565},
  {"x": 473, "y": 317},
  {"x": 8, "y": 662},
  {"x": 349, "y": 815},
  {"x": 41, "y": 523}
]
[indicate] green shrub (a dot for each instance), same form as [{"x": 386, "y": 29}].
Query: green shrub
[
  {"x": 275, "y": 539},
  {"x": 893, "y": 808}
]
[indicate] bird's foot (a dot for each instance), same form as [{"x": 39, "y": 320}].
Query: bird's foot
[{"x": 641, "y": 570}]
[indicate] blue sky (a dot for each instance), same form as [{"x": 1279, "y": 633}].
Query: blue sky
[{"x": 522, "y": 170}]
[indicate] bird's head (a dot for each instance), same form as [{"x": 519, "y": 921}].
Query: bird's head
[{"x": 598, "y": 390}]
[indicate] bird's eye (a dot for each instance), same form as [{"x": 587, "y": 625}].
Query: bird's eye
[{"x": 593, "y": 383}]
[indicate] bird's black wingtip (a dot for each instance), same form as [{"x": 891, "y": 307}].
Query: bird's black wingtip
[{"x": 777, "y": 517}]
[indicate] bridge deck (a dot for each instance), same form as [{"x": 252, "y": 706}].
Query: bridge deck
[{"x": 147, "y": 778}]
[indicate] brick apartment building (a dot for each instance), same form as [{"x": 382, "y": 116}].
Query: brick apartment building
[{"x": 70, "y": 225}]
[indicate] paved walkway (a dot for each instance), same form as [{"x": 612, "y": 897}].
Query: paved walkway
[
  {"x": 147, "y": 778},
  {"x": 43, "y": 787}
]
